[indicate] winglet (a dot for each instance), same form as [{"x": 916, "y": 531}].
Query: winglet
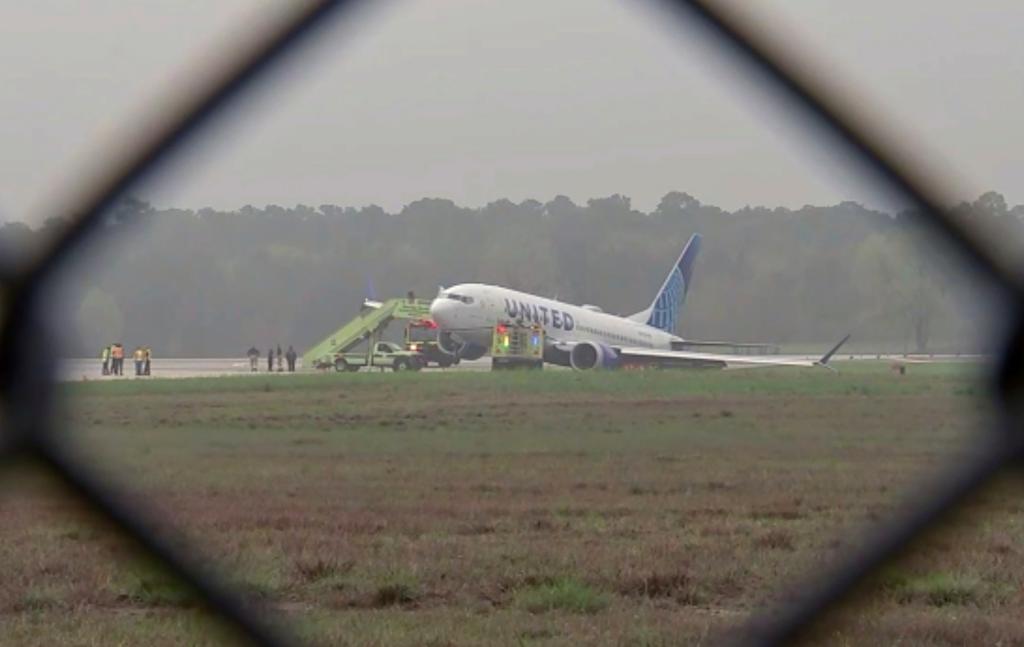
[{"x": 827, "y": 356}]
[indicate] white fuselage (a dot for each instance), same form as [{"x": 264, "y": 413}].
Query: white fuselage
[{"x": 471, "y": 310}]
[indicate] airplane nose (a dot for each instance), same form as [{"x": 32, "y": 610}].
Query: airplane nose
[{"x": 440, "y": 311}]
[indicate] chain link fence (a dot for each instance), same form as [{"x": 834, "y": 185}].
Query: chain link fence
[{"x": 27, "y": 385}]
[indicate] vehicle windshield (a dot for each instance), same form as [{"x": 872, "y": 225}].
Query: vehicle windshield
[{"x": 422, "y": 333}]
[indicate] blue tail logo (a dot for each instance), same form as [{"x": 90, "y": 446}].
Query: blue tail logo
[{"x": 664, "y": 311}]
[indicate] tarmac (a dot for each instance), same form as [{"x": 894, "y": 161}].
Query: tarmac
[
  {"x": 74, "y": 370},
  {"x": 81, "y": 369}
]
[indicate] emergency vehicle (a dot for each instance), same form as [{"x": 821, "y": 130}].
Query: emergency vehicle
[
  {"x": 517, "y": 346},
  {"x": 421, "y": 337}
]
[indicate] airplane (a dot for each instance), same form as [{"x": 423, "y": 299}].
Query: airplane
[{"x": 585, "y": 337}]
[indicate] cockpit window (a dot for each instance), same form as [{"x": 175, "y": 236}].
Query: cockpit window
[{"x": 459, "y": 297}]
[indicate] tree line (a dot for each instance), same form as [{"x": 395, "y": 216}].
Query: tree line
[{"x": 212, "y": 283}]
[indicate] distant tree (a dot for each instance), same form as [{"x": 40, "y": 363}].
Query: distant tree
[
  {"x": 561, "y": 207},
  {"x": 991, "y": 204},
  {"x": 532, "y": 207},
  {"x": 130, "y": 211},
  {"x": 675, "y": 203},
  {"x": 613, "y": 206},
  {"x": 194, "y": 283},
  {"x": 15, "y": 234},
  {"x": 373, "y": 211}
]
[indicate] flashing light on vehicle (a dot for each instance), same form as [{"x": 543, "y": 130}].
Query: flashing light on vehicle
[
  {"x": 535, "y": 340},
  {"x": 502, "y": 329}
]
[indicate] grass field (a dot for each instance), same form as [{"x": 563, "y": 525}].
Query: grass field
[{"x": 635, "y": 509}]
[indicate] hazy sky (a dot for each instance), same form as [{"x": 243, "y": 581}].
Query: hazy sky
[{"x": 477, "y": 100}]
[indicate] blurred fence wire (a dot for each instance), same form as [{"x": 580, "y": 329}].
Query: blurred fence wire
[{"x": 26, "y": 385}]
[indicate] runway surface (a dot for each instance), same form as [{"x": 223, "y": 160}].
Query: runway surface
[{"x": 73, "y": 370}]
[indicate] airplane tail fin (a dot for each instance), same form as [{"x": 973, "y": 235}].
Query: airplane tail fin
[{"x": 663, "y": 312}]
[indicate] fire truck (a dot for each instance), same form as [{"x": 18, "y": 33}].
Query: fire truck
[
  {"x": 421, "y": 337},
  {"x": 517, "y": 346}
]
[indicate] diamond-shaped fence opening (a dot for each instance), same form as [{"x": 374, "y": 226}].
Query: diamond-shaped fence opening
[{"x": 27, "y": 383}]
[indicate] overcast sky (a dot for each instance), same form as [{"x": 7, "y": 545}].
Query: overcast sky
[{"x": 477, "y": 100}]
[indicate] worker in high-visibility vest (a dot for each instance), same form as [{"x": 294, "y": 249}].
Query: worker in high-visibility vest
[
  {"x": 140, "y": 357},
  {"x": 147, "y": 354},
  {"x": 105, "y": 356}
]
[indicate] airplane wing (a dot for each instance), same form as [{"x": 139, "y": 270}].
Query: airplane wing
[
  {"x": 681, "y": 358},
  {"x": 698, "y": 344}
]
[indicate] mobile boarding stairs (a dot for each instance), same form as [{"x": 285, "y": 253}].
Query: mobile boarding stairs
[{"x": 371, "y": 321}]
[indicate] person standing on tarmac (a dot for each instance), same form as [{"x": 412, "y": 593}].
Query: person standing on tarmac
[
  {"x": 105, "y": 356},
  {"x": 139, "y": 356},
  {"x": 147, "y": 354},
  {"x": 291, "y": 355},
  {"x": 280, "y": 360},
  {"x": 254, "y": 359},
  {"x": 117, "y": 359},
  {"x": 270, "y": 360}
]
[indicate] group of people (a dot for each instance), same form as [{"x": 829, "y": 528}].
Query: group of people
[
  {"x": 288, "y": 356},
  {"x": 113, "y": 359}
]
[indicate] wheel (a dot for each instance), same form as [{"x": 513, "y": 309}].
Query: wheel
[
  {"x": 341, "y": 365},
  {"x": 401, "y": 364}
]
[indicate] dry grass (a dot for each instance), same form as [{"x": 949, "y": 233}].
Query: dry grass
[{"x": 620, "y": 509}]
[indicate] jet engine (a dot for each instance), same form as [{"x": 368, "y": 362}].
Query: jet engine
[
  {"x": 447, "y": 344},
  {"x": 589, "y": 355},
  {"x": 461, "y": 350}
]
